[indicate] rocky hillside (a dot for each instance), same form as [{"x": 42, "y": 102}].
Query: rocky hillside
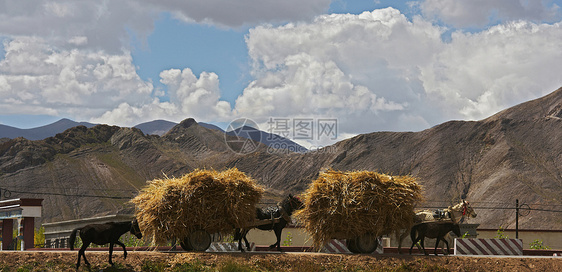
[{"x": 515, "y": 154}]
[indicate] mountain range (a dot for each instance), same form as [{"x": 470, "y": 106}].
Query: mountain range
[
  {"x": 514, "y": 154},
  {"x": 40, "y": 133},
  {"x": 156, "y": 127}
]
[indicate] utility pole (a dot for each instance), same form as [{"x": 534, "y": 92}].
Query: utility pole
[{"x": 516, "y": 218}]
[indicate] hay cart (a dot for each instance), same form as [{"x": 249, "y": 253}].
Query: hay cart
[
  {"x": 358, "y": 206},
  {"x": 365, "y": 243},
  {"x": 200, "y": 240}
]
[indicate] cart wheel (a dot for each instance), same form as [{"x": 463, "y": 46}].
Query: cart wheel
[
  {"x": 351, "y": 245},
  {"x": 199, "y": 240},
  {"x": 366, "y": 243},
  {"x": 184, "y": 243}
]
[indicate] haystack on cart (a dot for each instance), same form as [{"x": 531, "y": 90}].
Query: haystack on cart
[
  {"x": 192, "y": 207},
  {"x": 358, "y": 206}
]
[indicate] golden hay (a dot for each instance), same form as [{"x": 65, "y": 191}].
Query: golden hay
[
  {"x": 344, "y": 205},
  {"x": 203, "y": 199}
]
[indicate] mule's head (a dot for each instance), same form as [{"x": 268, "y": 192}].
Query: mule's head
[
  {"x": 135, "y": 229},
  {"x": 468, "y": 210},
  {"x": 295, "y": 202}
]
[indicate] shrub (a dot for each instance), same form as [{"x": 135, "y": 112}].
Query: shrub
[{"x": 538, "y": 244}]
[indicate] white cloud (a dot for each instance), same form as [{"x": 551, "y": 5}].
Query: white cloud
[
  {"x": 39, "y": 79},
  {"x": 379, "y": 71},
  {"x": 243, "y": 12},
  {"x": 373, "y": 71},
  {"x": 106, "y": 25},
  {"x": 479, "y": 13},
  {"x": 198, "y": 97},
  {"x": 99, "y": 25},
  {"x": 130, "y": 115},
  {"x": 360, "y": 69},
  {"x": 479, "y": 74},
  {"x": 189, "y": 97}
]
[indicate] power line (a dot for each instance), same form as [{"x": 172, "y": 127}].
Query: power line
[
  {"x": 71, "y": 188},
  {"x": 73, "y": 195}
]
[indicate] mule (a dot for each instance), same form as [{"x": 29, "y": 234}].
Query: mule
[
  {"x": 101, "y": 234},
  {"x": 456, "y": 214},
  {"x": 433, "y": 230},
  {"x": 283, "y": 211}
]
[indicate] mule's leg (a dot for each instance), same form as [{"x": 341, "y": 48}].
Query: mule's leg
[
  {"x": 246, "y": 239},
  {"x": 81, "y": 252},
  {"x": 449, "y": 238},
  {"x": 446, "y": 243},
  {"x": 416, "y": 240},
  {"x": 278, "y": 231},
  {"x": 238, "y": 236},
  {"x": 439, "y": 237},
  {"x": 423, "y": 245},
  {"x": 241, "y": 234},
  {"x": 124, "y": 249},
  {"x": 110, "y": 253}
]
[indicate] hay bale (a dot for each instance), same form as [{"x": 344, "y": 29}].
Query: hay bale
[
  {"x": 344, "y": 205},
  {"x": 203, "y": 199}
]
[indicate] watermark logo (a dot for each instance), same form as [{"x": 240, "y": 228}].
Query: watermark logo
[
  {"x": 304, "y": 128},
  {"x": 242, "y": 136}
]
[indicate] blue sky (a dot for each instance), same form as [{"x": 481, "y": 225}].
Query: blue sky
[
  {"x": 372, "y": 65},
  {"x": 175, "y": 44}
]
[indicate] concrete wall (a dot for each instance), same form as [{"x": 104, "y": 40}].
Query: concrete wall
[
  {"x": 57, "y": 234},
  {"x": 551, "y": 238},
  {"x": 299, "y": 237}
]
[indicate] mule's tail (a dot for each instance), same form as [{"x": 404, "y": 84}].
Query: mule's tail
[{"x": 73, "y": 238}]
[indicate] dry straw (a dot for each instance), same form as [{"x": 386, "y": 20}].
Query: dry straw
[
  {"x": 203, "y": 199},
  {"x": 344, "y": 205}
]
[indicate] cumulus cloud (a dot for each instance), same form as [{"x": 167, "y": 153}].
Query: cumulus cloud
[
  {"x": 476, "y": 75},
  {"x": 107, "y": 25},
  {"x": 243, "y": 12},
  {"x": 189, "y": 97},
  {"x": 99, "y": 25},
  {"x": 373, "y": 71},
  {"x": 361, "y": 69},
  {"x": 39, "y": 79},
  {"x": 380, "y": 71},
  {"x": 479, "y": 13}
]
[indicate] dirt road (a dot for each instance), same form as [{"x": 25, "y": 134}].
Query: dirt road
[{"x": 162, "y": 261}]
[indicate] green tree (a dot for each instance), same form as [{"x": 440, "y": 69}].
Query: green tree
[{"x": 39, "y": 238}]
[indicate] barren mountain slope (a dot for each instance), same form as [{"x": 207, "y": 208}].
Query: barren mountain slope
[
  {"x": 515, "y": 154},
  {"x": 85, "y": 172}
]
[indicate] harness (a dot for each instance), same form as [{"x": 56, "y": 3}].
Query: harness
[
  {"x": 440, "y": 214},
  {"x": 135, "y": 228},
  {"x": 283, "y": 213}
]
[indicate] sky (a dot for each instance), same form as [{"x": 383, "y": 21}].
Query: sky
[{"x": 370, "y": 65}]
